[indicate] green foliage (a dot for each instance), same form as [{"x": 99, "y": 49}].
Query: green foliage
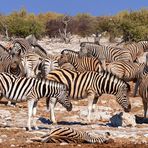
[
  {"x": 132, "y": 26},
  {"x": 86, "y": 24}
]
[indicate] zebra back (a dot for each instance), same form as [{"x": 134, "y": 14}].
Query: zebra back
[
  {"x": 135, "y": 49},
  {"x": 126, "y": 70},
  {"x": 107, "y": 53}
]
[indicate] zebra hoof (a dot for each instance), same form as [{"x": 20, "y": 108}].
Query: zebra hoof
[
  {"x": 54, "y": 123},
  {"x": 28, "y": 129},
  {"x": 109, "y": 141},
  {"x": 36, "y": 128}
]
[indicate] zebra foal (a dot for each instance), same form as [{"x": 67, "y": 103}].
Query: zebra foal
[
  {"x": 70, "y": 135},
  {"x": 31, "y": 90}
]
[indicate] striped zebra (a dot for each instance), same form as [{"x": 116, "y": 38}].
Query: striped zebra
[
  {"x": 20, "y": 47},
  {"x": 70, "y": 135},
  {"x": 106, "y": 54},
  {"x": 30, "y": 62},
  {"x": 35, "y": 65},
  {"x": 4, "y": 53},
  {"x": 39, "y": 50},
  {"x": 31, "y": 90},
  {"x": 80, "y": 64},
  {"x": 3, "y": 49},
  {"x": 91, "y": 85},
  {"x": 143, "y": 91},
  {"x": 144, "y": 45},
  {"x": 128, "y": 71},
  {"x": 135, "y": 49},
  {"x": 45, "y": 67}
]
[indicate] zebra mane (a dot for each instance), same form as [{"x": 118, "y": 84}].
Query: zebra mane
[
  {"x": 40, "y": 47},
  {"x": 113, "y": 75},
  {"x": 5, "y": 49},
  {"x": 68, "y": 50},
  {"x": 83, "y": 43}
]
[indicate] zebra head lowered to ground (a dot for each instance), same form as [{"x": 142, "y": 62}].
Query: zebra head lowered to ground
[{"x": 91, "y": 85}]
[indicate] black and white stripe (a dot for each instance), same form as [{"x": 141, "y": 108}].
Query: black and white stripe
[
  {"x": 135, "y": 49},
  {"x": 31, "y": 90},
  {"x": 106, "y": 54},
  {"x": 143, "y": 91},
  {"x": 80, "y": 64},
  {"x": 70, "y": 135},
  {"x": 91, "y": 85},
  {"x": 144, "y": 45},
  {"x": 128, "y": 71}
]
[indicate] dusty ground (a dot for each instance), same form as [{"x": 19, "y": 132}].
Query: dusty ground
[{"x": 13, "y": 123}]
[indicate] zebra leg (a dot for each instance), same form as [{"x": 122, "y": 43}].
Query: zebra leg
[
  {"x": 145, "y": 108},
  {"x": 34, "y": 110},
  {"x": 47, "y": 104},
  {"x": 52, "y": 104},
  {"x": 91, "y": 101},
  {"x": 136, "y": 88},
  {"x": 30, "y": 109},
  {"x": 94, "y": 103}
]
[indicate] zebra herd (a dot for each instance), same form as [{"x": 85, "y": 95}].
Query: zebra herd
[{"x": 28, "y": 73}]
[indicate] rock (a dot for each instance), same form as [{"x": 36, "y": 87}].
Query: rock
[
  {"x": 123, "y": 119},
  {"x": 4, "y": 114}
]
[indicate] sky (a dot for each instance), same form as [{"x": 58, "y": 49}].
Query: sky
[{"x": 72, "y": 7}]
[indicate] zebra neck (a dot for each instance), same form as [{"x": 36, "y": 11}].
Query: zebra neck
[{"x": 73, "y": 60}]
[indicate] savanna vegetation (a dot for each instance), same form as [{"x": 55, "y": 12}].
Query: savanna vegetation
[{"x": 132, "y": 26}]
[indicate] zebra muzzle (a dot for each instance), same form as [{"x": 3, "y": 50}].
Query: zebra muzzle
[
  {"x": 128, "y": 109},
  {"x": 69, "y": 108}
]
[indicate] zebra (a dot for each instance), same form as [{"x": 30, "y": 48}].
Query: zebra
[
  {"x": 106, "y": 54},
  {"x": 39, "y": 50},
  {"x": 143, "y": 91},
  {"x": 3, "y": 49},
  {"x": 31, "y": 90},
  {"x": 45, "y": 66},
  {"x": 70, "y": 135},
  {"x": 91, "y": 85},
  {"x": 135, "y": 49},
  {"x": 128, "y": 71},
  {"x": 144, "y": 45},
  {"x": 20, "y": 47},
  {"x": 30, "y": 62},
  {"x": 37, "y": 66},
  {"x": 80, "y": 64}
]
